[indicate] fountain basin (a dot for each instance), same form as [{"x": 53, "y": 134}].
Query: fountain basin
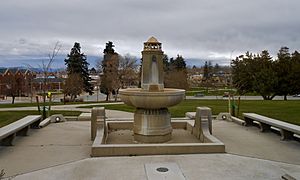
[
  {"x": 139, "y": 98},
  {"x": 152, "y": 120}
]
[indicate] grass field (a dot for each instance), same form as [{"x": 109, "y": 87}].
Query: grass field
[
  {"x": 7, "y": 117},
  {"x": 288, "y": 111}
]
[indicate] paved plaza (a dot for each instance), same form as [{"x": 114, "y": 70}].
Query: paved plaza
[{"x": 62, "y": 151}]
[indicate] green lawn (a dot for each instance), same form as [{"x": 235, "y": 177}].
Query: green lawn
[
  {"x": 7, "y": 117},
  {"x": 288, "y": 111}
]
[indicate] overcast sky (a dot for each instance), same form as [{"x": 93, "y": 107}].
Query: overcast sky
[{"x": 209, "y": 30}]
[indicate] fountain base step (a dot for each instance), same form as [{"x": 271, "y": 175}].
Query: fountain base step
[{"x": 117, "y": 139}]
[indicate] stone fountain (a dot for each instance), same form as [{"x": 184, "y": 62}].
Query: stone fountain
[
  {"x": 152, "y": 131},
  {"x": 152, "y": 120}
]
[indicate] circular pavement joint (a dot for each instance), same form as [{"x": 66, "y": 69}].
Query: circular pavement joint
[{"x": 162, "y": 169}]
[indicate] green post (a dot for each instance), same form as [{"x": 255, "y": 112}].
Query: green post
[
  {"x": 238, "y": 106},
  {"x": 49, "y": 103},
  {"x": 38, "y": 103},
  {"x": 229, "y": 104},
  {"x": 44, "y": 112},
  {"x": 233, "y": 107}
]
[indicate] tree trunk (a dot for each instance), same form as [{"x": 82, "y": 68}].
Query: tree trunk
[
  {"x": 107, "y": 96},
  {"x": 13, "y": 99},
  {"x": 273, "y": 96},
  {"x": 64, "y": 99},
  {"x": 73, "y": 98},
  {"x": 116, "y": 95},
  {"x": 268, "y": 97},
  {"x": 285, "y": 97},
  {"x": 44, "y": 98}
]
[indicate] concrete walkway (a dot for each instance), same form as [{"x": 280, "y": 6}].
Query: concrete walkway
[
  {"x": 191, "y": 167},
  {"x": 67, "y": 107},
  {"x": 67, "y": 147},
  {"x": 58, "y": 143},
  {"x": 102, "y": 97},
  {"x": 249, "y": 141}
]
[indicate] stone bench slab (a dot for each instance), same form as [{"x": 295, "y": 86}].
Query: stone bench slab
[
  {"x": 265, "y": 123},
  {"x": 20, "y": 127},
  {"x": 85, "y": 117},
  {"x": 190, "y": 115}
]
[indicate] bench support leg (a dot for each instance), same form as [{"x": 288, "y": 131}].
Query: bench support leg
[
  {"x": 23, "y": 132},
  {"x": 35, "y": 125},
  {"x": 248, "y": 122},
  {"x": 264, "y": 127},
  {"x": 9, "y": 140},
  {"x": 286, "y": 135}
]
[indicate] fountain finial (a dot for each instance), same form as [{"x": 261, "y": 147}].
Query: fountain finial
[
  {"x": 152, "y": 39},
  {"x": 152, "y": 44}
]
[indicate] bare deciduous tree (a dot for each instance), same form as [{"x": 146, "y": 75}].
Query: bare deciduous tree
[
  {"x": 46, "y": 68},
  {"x": 128, "y": 71},
  {"x": 73, "y": 86}
]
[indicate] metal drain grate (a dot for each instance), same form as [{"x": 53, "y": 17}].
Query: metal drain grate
[{"x": 163, "y": 171}]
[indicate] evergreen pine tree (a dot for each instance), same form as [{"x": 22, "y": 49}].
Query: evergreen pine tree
[
  {"x": 179, "y": 63},
  {"x": 210, "y": 69},
  {"x": 295, "y": 77},
  {"x": 166, "y": 62},
  {"x": 110, "y": 82},
  {"x": 77, "y": 64},
  {"x": 284, "y": 69},
  {"x": 216, "y": 68},
  {"x": 205, "y": 70},
  {"x": 176, "y": 74}
]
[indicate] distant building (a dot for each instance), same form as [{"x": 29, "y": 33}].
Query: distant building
[
  {"x": 16, "y": 81},
  {"x": 24, "y": 82},
  {"x": 53, "y": 83},
  {"x": 220, "y": 78}
]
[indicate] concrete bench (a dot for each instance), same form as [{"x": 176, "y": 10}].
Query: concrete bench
[
  {"x": 18, "y": 128},
  {"x": 287, "y": 130},
  {"x": 85, "y": 116},
  {"x": 192, "y": 115}
]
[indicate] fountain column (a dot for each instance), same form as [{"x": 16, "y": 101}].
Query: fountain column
[
  {"x": 152, "y": 120},
  {"x": 152, "y": 66},
  {"x": 152, "y": 125}
]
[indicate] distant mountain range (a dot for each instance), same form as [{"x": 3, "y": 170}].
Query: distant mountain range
[
  {"x": 35, "y": 62},
  {"x": 35, "y": 69},
  {"x": 59, "y": 64}
]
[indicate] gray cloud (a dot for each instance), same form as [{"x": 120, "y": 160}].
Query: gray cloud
[{"x": 197, "y": 29}]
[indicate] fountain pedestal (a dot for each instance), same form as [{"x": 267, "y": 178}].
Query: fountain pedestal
[{"x": 152, "y": 125}]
